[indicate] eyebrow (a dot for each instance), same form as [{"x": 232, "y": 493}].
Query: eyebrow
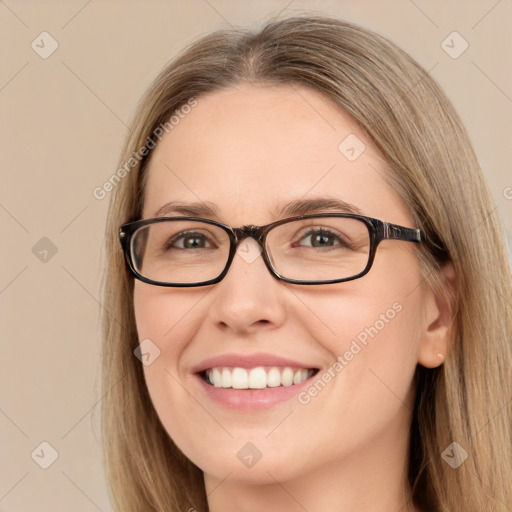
[
  {"x": 292, "y": 208},
  {"x": 317, "y": 205},
  {"x": 198, "y": 209}
]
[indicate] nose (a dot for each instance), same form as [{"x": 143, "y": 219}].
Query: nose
[{"x": 249, "y": 299}]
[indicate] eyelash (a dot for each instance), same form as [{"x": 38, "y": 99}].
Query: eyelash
[
  {"x": 322, "y": 231},
  {"x": 181, "y": 236}
]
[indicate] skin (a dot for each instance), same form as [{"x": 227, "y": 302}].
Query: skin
[{"x": 247, "y": 149}]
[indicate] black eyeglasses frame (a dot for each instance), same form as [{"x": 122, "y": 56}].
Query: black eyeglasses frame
[{"x": 377, "y": 229}]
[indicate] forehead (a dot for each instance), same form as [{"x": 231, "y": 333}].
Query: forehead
[{"x": 249, "y": 149}]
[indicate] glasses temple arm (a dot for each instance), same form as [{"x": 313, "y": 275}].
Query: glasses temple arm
[{"x": 395, "y": 232}]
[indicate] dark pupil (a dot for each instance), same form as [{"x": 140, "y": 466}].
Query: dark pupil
[
  {"x": 321, "y": 239},
  {"x": 193, "y": 242}
]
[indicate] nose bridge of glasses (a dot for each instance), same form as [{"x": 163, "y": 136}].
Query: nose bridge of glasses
[{"x": 249, "y": 231}]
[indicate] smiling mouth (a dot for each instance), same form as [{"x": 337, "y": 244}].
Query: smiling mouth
[{"x": 256, "y": 378}]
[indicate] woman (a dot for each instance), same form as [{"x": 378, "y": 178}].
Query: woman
[{"x": 352, "y": 353}]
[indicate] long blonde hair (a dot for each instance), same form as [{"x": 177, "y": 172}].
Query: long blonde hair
[{"x": 434, "y": 169}]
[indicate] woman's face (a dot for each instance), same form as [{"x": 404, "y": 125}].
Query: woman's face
[{"x": 248, "y": 152}]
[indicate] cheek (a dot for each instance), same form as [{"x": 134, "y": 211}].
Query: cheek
[
  {"x": 376, "y": 317},
  {"x": 373, "y": 333},
  {"x": 167, "y": 317}
]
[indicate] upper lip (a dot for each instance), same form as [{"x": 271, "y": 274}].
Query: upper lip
[{"x": 248, "y": 361}]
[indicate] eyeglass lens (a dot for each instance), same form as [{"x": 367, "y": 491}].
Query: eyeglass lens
[{"x": 314, "y": 249}]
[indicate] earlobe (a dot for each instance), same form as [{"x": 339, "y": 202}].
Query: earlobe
[{"x": 439, "y": 328}]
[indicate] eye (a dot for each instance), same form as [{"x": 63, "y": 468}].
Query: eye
[
  {"x": 189, "y": 240},
  {"x": 321, "y": 237}
]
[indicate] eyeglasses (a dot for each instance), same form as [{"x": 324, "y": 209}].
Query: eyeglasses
[{"x": 310, "y": 249}]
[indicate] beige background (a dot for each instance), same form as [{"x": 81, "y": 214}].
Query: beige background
[{"x": 63, "y": 120}]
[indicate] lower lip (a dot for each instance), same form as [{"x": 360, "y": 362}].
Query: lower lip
[{"x": 251, "y": 399}]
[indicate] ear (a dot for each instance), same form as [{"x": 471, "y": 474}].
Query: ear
[{"x": 438, "y": 328}]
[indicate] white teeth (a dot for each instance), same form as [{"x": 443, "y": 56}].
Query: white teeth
[
  {"x": 287, "y": 377},
  {"x": 226, "y": 378},
  {"x": 300, "y": 376},
  {"x": 256, "y": 378},
  {"x": 239, "y": 378},
  {"x": 273, "y": 378},
  {"x": 215, "y": 377}
]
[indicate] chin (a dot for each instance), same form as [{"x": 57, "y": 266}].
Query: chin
[{"x": 246, "y": 462}]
